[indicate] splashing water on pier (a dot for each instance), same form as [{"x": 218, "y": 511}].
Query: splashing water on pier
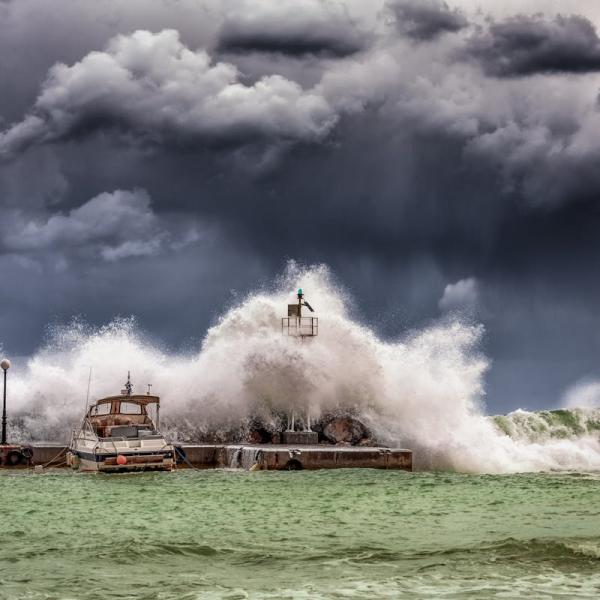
[{"x": 424, "y": 391}]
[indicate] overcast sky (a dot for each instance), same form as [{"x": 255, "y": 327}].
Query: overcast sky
[{"x": 163, "y": 159}]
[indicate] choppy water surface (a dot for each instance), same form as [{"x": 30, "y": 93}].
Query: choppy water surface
[{"x": 325, "y": 534}]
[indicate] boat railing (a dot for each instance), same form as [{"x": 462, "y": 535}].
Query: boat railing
[
  {"x": 86, "y": 432},
  {"x": 156, "y": 436},
  {"x": 88, "y": 439}
]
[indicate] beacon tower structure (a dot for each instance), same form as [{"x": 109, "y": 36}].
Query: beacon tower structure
[
  {"x": 303, "y": 328},
  {"x": 295, "y": 324}
]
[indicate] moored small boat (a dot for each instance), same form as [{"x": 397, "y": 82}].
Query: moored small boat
[{"x": 117, "y": 434}]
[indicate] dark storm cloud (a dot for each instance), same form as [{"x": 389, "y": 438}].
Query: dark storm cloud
[
  {"x": 547, "y": 163},
  {"x": 525, "y": 45},
  {"x": 158, "y": 92},
  {"x": 154, "y": 86},
  {"x": 316, "y": 28},
  {"x": 112, "y": 226},
  {"x": 427, "y": 185},
  {"x": 424, "y": 20}
]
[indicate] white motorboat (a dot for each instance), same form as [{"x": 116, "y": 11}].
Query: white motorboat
[{"x": 117, "y": 434}]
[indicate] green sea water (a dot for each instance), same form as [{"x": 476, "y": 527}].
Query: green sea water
[{"x": 323, "y": 534}]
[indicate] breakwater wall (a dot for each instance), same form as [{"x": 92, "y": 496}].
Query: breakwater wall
[{"x": 267, "y": 457}]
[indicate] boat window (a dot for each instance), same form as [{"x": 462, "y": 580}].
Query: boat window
[
  {"x": 100, "y": 409},
  {"x": 130, "y": 408}
]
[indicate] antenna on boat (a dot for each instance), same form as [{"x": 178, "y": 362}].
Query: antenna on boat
[
  {"x": 148, "y": 392},
  {"x": 87, "y": 397},
  {"x": 128, "y": 387}
]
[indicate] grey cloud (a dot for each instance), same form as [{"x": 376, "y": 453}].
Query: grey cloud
[
  {"x": 49, "y": 186},
  {"x": 525, "y": 45},
  {"x": 424, "y": 20},
  {"x": 115, "y": 225},
  {"x": 545, "y": 165},
  {"x": 460, "y": 296},
  {"x": 153, "y": 86},
  {"x": 295, "y": 29}
]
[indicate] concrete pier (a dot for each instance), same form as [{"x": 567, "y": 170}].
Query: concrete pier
[
  {"x": 267, "y": 456},
  {"x": 276, "y": 457},
  {"x": 292, "y": 438}
]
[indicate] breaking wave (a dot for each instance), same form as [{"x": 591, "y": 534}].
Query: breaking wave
[
  {"x": 424, "y": 391},
  {"x": 544, "y": 425}
]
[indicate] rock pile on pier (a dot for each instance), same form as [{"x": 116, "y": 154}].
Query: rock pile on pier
[
  {"x": 346, "y": 430},
  {"x": 339, "y": 429}
]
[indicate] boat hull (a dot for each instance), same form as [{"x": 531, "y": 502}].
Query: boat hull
[{"x": 96, "y": 462}]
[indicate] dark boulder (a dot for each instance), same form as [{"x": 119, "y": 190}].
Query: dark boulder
[
  {"x": 258, "y": 433},
  {"x": 345, "y": 430}
]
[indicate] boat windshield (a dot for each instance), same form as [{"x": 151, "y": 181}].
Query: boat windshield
[
  {"x": 121, "y": 417},
  {"x": 100, "y": 409},
  {"x": 130, "y": 408}
]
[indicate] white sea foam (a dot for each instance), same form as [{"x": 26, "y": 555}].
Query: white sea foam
[
  {"x": 424, "y": 391},
  {"x": 585, "y": 393}
]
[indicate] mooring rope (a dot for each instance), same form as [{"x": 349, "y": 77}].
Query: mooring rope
[
  {"x": 63, "y": 451},
  {"x": 186, "y": 459}
]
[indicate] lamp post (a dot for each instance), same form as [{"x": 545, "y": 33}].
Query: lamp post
[{"x": 5, "y": 365}]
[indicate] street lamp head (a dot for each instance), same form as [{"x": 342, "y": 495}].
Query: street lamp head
[{"x": 5, "y": 364}]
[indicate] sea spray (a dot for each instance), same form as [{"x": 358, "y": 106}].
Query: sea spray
[{"x": 424, "y": 391}]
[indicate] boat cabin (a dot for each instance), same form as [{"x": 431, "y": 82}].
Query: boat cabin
[{"x": 124, "y": 416}]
